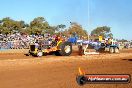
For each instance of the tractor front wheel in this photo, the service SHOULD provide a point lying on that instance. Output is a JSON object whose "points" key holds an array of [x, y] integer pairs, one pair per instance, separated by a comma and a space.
{"points": [[40, 54]]}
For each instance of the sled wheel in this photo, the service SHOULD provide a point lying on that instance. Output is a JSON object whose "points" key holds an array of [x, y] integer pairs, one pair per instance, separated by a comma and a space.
{"points": [[111, 50], [116, 50]]}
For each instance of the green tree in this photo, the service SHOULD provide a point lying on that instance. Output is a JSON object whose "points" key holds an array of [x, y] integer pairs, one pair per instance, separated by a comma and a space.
{"points": [[76, 28], [102, 31], [39, 25], [52, 29], [9, 25], [1, 27], [122, 40], [61, 27]]}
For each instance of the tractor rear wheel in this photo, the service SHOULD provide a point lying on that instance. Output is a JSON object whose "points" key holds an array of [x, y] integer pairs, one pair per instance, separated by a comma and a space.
{"points": [[116, 50], [65, 49], [111, 50]]}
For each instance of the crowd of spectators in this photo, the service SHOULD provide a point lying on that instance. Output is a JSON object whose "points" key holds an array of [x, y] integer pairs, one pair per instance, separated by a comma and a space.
{"points": [[17, 40]]}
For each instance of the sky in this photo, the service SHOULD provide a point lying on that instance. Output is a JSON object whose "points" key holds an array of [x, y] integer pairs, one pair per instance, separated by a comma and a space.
{"points": [[116, 14]]}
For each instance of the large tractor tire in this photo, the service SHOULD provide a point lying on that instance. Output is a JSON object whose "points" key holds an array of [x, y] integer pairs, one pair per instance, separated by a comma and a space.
{"points": [[116, 50], [111, 50], [65, 49]]}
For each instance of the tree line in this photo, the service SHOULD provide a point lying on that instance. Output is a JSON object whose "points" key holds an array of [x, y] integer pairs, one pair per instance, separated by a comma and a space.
{"points": [[39, 25]]}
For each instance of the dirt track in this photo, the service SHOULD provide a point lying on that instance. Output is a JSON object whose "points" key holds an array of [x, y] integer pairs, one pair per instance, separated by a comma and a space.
{"points": [[19, 71]]}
